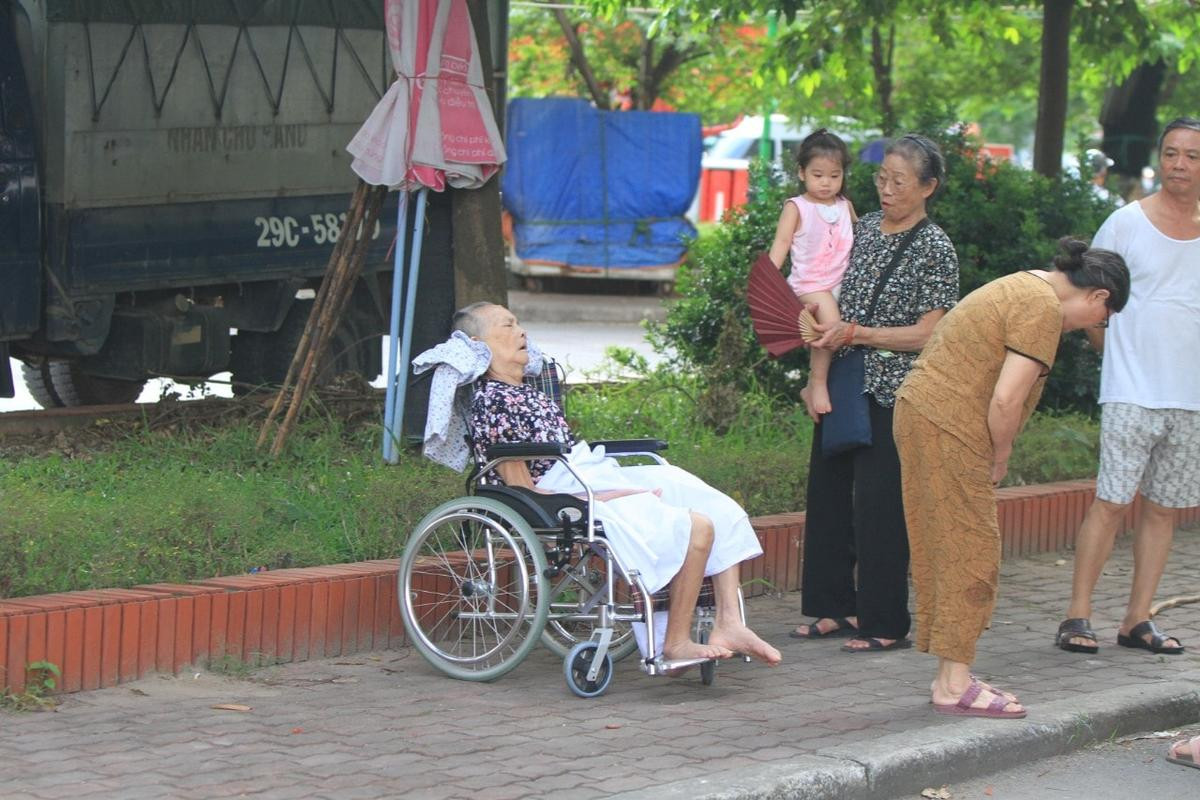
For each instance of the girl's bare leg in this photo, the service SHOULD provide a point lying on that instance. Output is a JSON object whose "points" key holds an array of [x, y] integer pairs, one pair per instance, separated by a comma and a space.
{"points": [[818, 378]]}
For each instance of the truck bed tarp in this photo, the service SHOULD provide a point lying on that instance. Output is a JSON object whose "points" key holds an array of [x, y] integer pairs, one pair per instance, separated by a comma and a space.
{"points": [[340, 13], [590, 188]]}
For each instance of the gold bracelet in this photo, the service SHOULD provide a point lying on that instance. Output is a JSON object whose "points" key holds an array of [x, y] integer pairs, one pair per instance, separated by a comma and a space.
{"points": [[850, 334]]}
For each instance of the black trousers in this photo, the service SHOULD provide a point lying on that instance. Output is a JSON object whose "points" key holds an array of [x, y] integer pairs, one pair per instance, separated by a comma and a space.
{"points": [[855, 518]]}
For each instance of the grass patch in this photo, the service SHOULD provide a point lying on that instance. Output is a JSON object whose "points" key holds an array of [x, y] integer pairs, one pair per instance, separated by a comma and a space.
{"points": [[191, 503], [186, 505], [228, 666]]}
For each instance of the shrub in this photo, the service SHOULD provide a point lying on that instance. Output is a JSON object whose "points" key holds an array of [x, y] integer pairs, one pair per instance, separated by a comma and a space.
{"points": [[1001, 218]]}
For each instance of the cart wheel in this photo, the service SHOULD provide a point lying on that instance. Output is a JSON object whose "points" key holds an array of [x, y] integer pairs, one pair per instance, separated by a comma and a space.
{"points": [[575, 667], [708, 670]]}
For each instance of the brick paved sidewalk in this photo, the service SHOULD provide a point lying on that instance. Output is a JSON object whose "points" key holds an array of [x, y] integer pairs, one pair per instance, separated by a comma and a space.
{"points": [[387, 725]]}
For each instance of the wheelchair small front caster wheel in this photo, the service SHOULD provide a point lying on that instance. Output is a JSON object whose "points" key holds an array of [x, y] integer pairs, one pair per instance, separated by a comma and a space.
{"points": [[708, 670], [576, 666]]}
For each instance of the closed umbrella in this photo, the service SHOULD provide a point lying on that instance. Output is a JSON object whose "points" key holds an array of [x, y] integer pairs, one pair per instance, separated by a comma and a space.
{"points": [[434, 127]]}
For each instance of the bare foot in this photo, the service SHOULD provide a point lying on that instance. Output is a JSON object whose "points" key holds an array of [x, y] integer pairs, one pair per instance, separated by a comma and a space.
{"points": [[820, 402], [806, 397], [946, 696], [741, 639], [688, 649]]}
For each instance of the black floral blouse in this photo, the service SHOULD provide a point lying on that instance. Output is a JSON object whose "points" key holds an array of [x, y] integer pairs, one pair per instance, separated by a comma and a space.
{"points": [[925, 279], [502, 413]]}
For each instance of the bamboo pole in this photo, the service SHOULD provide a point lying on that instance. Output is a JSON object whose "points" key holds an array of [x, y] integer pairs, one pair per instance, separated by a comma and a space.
{"points": [[345, 265], [302, 348]]}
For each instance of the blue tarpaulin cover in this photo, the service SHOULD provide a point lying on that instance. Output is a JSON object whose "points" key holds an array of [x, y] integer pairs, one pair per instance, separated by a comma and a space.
{"points": [[595, 189]]}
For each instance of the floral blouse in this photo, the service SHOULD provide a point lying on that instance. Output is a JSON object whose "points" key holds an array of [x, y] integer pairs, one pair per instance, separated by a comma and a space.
{"points": [[502, 413], [925, 279]]}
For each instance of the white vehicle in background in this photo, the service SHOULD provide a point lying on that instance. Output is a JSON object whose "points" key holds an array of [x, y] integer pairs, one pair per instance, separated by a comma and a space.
{"points": [[725, 167]]}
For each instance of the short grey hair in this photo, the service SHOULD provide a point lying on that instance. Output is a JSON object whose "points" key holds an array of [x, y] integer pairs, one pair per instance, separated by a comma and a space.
{"points": [[924, 156], [468, 319], [1185, 123]]}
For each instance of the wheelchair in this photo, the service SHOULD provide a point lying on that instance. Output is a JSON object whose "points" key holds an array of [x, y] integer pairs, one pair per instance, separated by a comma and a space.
{"points": [[485, 577]]}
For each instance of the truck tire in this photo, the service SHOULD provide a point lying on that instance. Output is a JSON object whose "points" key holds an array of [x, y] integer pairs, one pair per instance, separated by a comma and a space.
{"points": [[76, 388], [40, 385], [261, 360]]}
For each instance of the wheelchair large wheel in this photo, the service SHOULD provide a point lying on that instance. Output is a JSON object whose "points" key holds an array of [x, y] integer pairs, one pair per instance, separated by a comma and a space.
{"points": [[470, 588], [582, 579]]}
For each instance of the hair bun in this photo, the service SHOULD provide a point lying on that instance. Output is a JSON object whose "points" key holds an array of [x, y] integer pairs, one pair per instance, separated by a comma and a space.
{"points": [[1071, 257]]}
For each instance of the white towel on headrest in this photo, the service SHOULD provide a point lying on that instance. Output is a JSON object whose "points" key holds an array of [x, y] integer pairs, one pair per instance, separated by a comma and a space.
{"points": [[456, 363]]}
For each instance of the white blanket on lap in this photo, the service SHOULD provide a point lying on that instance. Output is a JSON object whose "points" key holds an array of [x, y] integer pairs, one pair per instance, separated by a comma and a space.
{"points": [[650, 533]]}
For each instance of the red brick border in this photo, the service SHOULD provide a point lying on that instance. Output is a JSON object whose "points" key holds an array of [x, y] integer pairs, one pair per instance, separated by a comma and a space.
{"points": [[102, 638]]}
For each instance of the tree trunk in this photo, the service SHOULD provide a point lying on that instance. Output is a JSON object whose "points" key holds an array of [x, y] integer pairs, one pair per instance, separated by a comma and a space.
{"points": [[644, 93], [881, 63], [1129, 118], [1052, 89], [579, 59], [478, 245]]}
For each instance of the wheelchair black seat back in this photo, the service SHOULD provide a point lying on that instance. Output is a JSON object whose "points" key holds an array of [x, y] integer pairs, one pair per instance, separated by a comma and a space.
{"points": [[485, 577]]}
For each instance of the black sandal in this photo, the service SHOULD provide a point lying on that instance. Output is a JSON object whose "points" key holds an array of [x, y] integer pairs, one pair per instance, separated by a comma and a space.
{"points": [[1076, 626], [844, 628], [1157, 639]]}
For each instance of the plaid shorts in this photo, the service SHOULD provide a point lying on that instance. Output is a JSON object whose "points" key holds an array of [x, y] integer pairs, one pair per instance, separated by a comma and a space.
{"points": [[1154, 450]]}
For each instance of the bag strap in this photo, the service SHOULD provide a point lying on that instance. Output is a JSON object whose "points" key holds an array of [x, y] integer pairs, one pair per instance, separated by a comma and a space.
{"points": [[891, 267]]}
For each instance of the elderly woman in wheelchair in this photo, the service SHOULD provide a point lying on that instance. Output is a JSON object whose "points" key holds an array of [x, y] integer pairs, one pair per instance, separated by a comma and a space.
{"points": [[559, 542]]}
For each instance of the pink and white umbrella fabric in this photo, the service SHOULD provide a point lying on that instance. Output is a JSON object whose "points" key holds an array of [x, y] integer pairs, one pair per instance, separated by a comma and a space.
{"points": [[433, 127]]}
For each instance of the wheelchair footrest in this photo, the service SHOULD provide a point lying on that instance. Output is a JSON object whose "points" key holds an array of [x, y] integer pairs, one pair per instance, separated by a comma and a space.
{"points": [[660, 666]]}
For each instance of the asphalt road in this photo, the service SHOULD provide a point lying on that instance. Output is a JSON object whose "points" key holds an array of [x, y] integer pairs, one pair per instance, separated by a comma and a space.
{"points": [[1132, 769]]}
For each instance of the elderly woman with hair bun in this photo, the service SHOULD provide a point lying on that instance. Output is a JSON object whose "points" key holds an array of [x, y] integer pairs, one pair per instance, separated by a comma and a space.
{"points": [[902, 278], [973, 387]]}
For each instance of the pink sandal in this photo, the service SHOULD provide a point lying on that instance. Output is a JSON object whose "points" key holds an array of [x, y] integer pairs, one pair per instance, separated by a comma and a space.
{"points": [[994, 709], [1190, 748]]}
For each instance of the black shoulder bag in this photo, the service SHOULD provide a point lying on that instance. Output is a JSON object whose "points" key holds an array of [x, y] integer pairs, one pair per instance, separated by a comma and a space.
{"points": [[848, 425]]}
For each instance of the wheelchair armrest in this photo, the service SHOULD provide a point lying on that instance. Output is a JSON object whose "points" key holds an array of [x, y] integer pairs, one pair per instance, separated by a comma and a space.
{"points": [[614, 447], [527, 449]]}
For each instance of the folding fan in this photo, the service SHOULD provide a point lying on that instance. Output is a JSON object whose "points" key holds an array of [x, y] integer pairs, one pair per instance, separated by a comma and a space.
{"points": [[781, 321]]}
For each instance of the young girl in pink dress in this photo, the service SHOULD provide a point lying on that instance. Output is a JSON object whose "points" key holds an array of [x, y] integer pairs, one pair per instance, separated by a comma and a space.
{"points": [[817, 227]]}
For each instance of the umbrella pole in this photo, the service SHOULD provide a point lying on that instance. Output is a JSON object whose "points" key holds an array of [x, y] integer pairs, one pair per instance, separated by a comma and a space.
{"points": [[410, 303], [391, 434]]}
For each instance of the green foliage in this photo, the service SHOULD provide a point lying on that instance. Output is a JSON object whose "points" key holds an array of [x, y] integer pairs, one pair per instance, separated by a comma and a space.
{"points": [[703, 70], [1055, 447], [984, 55], [41, 679], [711, 285], [1001, 218]]}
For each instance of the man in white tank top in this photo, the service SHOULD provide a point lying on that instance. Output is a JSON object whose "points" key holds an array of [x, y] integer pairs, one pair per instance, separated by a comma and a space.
{"points": [[1149, 395]]}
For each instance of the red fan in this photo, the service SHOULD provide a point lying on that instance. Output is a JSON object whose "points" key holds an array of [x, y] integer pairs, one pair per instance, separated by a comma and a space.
{"points": [[781, 321]]}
